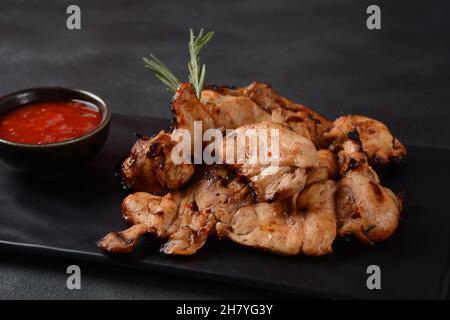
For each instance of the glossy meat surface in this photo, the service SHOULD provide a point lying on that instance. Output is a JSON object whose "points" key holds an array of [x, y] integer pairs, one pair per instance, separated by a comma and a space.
{"points": [[270, 180], [377, 141], [364, 207]]}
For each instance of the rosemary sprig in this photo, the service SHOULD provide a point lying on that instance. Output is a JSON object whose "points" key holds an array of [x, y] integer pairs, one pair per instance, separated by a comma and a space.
{"points": [[162, 73], [196, 72]]}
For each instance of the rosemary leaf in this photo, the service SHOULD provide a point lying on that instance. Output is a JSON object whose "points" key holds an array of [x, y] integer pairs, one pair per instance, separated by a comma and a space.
{"points": [[162, 73], [196, 72]]}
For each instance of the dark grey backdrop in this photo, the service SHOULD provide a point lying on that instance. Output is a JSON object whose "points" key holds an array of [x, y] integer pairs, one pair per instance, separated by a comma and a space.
{"points": [[319, 53]]}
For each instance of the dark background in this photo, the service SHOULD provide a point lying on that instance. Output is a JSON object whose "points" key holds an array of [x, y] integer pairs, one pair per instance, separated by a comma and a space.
{"points": [[318, 53]]}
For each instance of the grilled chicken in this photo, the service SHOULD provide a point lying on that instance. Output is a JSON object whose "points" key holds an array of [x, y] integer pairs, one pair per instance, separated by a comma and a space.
{"points": [[174, 217], [364, 208], [146, 213], [232, 108], [268, 226], [219, 203], [292, 120], [154, 171], [245, 151], [306, 224], [268, 99], [231, 112], [377, 141], [184, 218], [220, 193], [186, 109], [149, 166], [317, 206], [288, 204], [327, 168]]}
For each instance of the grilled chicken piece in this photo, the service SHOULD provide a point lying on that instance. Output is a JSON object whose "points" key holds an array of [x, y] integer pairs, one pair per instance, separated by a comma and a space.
{"points": [[306, 226], [365, 208], [174, 217], [283, 227], [187, 241], [220, 193], [122, 241], [219, 203], [146, 213], [377, 141], [284, 183], [230, 108], [191, 234], [185, 218], [292, 120], [154, 171], [268, 99], [149, 166], [230, 112], [327, 168], [186, 109], [271, 181], [317, 205], [214, 110], [268, 226], [299, 208]]}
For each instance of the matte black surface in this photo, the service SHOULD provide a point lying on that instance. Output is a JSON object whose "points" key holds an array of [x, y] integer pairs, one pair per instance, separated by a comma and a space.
{"points": [[65, 216], [28, 276], [317, 52]]}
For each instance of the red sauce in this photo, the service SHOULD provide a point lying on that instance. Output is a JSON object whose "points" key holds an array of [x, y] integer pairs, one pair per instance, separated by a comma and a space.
{"points": [[49, 122]]}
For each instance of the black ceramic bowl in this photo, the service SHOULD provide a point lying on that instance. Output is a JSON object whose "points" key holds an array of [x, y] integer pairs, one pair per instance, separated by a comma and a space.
{"points": [[53, 158]]}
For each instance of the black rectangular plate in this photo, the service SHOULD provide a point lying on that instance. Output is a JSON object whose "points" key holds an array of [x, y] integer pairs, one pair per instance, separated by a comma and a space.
{"points": [[65, 215]]}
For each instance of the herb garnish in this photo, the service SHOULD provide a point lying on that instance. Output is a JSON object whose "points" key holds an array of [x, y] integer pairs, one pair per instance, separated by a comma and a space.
{"points": [[162, 73], [196, 71]]}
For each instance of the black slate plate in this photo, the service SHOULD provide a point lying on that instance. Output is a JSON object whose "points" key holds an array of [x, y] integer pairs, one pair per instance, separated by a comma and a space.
{"points": [[64, 216]]}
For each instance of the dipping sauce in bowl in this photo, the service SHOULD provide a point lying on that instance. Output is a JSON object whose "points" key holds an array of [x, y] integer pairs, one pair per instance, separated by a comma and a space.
{"points": [[49, 122], [49, 131]]}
